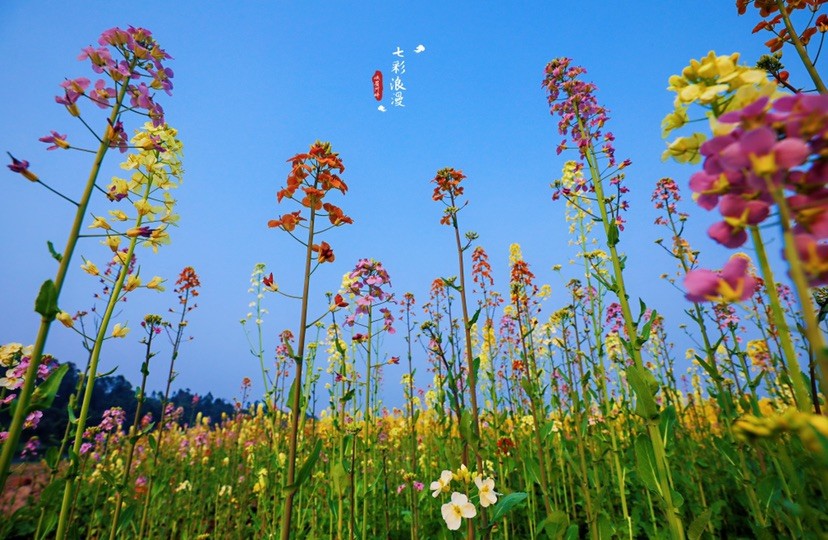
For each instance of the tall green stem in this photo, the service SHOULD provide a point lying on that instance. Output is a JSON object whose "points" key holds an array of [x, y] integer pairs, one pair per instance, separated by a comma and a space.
{"points": [[63, 521], [23, 400], [800, 390]]}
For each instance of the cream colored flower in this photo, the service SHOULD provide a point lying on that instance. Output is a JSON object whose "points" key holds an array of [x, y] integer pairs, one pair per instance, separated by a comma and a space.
{"points": [[119, 331], [442, 483], [458, 508], [488, 496]]}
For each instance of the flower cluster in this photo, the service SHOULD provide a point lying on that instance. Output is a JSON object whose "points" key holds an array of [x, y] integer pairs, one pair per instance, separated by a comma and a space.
{"points": [[448, 185], [582, 120], [772, 147], [124, 56], [460, 506], [365, 282], [769, 7], [718, 84], [312, 176]]}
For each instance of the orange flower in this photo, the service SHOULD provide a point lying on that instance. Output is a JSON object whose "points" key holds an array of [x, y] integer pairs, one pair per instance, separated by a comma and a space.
{"points": [[336, 215], [325, 252], [313, 198], [288, 222]]}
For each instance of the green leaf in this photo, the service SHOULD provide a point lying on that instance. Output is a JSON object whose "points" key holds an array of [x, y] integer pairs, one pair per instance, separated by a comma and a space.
{"points": [[46, 303], [109, 478], [307, 467], [55, 255], [645, 330], [612, 235], [709, 369], [292, 394], [467, 429], [699, 525], [44, 394], [347, 397], [506, 504], [644, 385], [340, 478], [645, 463], [473, 319]]}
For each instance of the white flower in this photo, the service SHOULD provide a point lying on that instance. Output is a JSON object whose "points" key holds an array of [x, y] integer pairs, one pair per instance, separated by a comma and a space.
{"points": [[439, 485], [458, 508], [488, 496]]}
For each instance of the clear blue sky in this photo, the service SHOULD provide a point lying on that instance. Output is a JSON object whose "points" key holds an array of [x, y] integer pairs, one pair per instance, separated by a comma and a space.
{"points": [[256, 82]]}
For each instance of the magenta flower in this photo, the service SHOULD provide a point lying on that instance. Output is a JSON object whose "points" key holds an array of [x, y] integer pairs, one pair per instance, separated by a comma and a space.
{"points": [[22, 167], [733, 283], [738, 214], [814, 257], [100, 58], [811, 213], [101, 94], [56, 140]]}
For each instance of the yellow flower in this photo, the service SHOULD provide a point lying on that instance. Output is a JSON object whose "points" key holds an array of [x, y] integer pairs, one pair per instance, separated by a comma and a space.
{"points": [[132, 283], [118, 215], [90, 268], [685, 149], [100, 223], [674, 120], [120, 258], [119, 331], [66, 319], [155, 283], [112, 241]]}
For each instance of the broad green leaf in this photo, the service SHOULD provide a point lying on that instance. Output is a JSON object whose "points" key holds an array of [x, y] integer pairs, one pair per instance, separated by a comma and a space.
{"points": [[340, 478], [44, 394], [612, 235], [699, 525], [307, 467], [643, 384], [506, 504], [46, 303], [473, 319], [645, 463]]}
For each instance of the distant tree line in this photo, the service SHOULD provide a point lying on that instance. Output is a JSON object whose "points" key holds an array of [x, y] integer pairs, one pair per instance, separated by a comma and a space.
{"points": [[116, 391]]}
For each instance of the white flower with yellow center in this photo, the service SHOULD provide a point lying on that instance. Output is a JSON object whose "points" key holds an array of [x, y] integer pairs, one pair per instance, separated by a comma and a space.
{"points": [[458, 508]]}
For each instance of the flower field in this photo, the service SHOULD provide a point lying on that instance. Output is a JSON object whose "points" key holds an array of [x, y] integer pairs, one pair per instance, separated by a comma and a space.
{"points": [[516, 420]]}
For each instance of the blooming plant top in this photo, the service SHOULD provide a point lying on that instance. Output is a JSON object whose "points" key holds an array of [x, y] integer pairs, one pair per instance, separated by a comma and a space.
{"points": [[718, 84], [732, 284], [312, 176], [124, 56], [448, 185], [365, 282]]}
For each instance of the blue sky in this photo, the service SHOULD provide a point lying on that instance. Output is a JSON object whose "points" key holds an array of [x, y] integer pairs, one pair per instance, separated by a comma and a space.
{"points": [[257, 82]]}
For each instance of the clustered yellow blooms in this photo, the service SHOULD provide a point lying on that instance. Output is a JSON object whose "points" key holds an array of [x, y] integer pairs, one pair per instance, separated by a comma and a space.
{"points": [[718, 84], [808, 427]]}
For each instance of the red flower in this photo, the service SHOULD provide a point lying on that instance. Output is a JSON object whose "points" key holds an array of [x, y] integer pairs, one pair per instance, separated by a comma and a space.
{"points": [[339, 302], [287, 222]]}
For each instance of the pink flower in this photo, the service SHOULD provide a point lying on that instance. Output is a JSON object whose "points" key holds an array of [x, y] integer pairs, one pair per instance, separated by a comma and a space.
{"points": [[733, 283], [738, 214], [56, 140], [814, 258]]}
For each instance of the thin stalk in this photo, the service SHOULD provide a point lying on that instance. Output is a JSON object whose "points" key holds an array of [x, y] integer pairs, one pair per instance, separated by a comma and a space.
{"points": [[295, 412]]}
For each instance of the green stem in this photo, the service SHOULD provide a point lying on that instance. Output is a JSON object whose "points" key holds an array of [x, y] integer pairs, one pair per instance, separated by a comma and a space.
{"points": [[673, 517], [296, 405], [63, 521], [799, 388], [23, 400]]}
